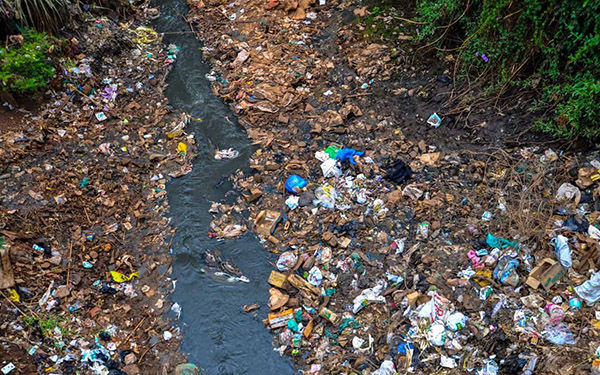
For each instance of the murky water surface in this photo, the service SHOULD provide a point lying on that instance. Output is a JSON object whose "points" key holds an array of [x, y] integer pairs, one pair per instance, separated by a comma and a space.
{"points": [[218, 336]]}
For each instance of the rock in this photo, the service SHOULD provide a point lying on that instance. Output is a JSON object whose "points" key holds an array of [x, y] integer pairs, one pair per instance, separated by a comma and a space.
{"points": [[412, 192], [61, 292], [394, 196], [130, 359], [430, 158], [131, 369], [75, 278], [187, 369], [56, 258]]}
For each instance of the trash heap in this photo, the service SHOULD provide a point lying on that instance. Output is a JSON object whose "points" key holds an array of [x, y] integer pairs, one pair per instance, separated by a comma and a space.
{"points": [[353, 288], [85, 251], [395, 253]]}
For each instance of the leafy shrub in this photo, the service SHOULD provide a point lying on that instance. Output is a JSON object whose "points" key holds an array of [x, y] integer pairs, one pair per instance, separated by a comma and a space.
{"points": [[48, 15], [513, 43], [27, 68]]}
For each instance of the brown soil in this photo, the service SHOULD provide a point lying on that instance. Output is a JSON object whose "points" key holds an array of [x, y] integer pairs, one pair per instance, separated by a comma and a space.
{"points": [[302, 78], [82, 189]]}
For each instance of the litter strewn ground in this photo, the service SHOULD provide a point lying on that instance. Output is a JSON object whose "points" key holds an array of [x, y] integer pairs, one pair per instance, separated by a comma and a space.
{"points": [[406, 243]]}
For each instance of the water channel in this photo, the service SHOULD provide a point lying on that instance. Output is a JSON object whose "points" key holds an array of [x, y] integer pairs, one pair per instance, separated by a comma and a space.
{"points": [[217, 334]]}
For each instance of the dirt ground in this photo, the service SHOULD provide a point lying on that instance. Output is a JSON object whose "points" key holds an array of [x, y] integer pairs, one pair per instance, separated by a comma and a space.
{"points": [[364, 251], [82, 212], [367, 248]]}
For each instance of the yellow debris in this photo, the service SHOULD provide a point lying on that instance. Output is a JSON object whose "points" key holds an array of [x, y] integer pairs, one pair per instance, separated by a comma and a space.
{"points": [[121, 277], [14, 296]]}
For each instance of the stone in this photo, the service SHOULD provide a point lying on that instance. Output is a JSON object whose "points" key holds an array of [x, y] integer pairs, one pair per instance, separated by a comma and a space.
{"points": [[131, 370], [61, 292], [187, 369], [130, 359]]}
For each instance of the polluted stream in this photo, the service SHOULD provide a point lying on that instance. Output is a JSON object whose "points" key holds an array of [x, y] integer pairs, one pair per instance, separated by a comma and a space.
{"points": [[217, 334]]}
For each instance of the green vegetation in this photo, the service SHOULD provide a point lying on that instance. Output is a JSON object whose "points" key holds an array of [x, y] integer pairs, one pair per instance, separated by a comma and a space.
{"points": [[48, 15], [47, 324], [522, 43], [27, 68], [380, 23]]}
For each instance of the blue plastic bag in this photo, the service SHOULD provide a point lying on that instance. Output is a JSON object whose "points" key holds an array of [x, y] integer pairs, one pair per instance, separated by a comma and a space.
{"points": [[405, 347], [500, 243], [346, 154], [294, 183]]}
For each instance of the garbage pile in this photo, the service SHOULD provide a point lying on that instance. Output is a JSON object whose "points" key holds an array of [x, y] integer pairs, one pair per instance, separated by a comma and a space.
{"points": [[365, 280], [398, 255], [84, 239]]}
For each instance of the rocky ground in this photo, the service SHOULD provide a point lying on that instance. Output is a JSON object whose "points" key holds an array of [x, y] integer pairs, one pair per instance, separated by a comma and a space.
{"points": [[435, 251], [85, 239]]}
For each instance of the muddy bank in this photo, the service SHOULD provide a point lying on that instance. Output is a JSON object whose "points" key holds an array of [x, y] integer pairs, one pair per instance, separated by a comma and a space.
{"points": [[82, 213], [404, 244]]}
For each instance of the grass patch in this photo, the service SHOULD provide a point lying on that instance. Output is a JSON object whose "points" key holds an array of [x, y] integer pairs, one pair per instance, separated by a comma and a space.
{"points": [[381, 23], [526, 44], [48, 324], [27, 68]]}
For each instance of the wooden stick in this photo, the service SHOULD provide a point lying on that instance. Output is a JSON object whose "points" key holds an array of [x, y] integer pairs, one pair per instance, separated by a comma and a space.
{"points": [[86, 215], [144, 353], [359, 94], [17, 307], [135, 329], [69, 262]]}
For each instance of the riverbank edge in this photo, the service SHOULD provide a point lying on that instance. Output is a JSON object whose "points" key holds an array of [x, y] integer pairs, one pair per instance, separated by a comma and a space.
{"points": [[151, 258]]}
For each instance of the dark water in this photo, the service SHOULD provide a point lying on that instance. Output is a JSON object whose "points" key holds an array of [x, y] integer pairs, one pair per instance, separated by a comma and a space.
{"points": [[217, 334]]}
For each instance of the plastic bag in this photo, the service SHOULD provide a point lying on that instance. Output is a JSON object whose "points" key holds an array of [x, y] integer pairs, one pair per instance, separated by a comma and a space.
{"points": [[332, 151], [568, 192], [292, 202], [506, 270], [226, 154], [489, 368], [121, 277], [576, 223], [330, 169], [456, 321], [326, 195], [315, 276], [436, 334], [347, 154], [590, 289], [294, 183], [398, 171], [368, 296], [559, 334], [563, 252], [182, 148], [386, 368], [500, 243], [287, 260], [594, 232]]}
